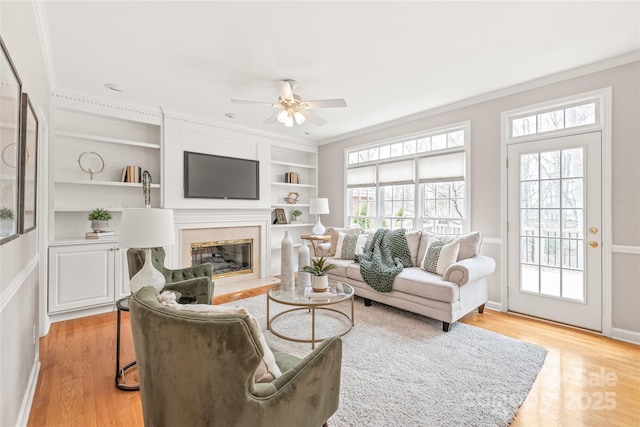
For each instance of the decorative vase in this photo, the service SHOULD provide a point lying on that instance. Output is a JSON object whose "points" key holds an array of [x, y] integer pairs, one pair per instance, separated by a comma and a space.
{"points": [[99, 225], [287, 280], [304, 259], [320, 283]]}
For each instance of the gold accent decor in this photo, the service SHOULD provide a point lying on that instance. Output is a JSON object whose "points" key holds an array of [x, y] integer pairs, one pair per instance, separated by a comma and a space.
{"points": [[292, 198]]}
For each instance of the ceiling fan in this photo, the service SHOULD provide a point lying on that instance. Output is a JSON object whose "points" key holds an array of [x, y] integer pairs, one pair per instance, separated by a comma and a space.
{"points": [[293, 108]]}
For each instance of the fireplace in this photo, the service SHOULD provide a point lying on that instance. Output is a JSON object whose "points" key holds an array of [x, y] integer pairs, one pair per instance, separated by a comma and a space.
{"points": [[228, 257]]}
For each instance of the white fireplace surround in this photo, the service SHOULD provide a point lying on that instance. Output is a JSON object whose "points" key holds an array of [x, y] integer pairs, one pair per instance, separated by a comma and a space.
{"points": [[255, 219]]}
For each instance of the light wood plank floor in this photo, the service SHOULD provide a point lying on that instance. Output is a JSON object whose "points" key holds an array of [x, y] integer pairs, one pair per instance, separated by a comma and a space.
{"points": [[587, 380]]}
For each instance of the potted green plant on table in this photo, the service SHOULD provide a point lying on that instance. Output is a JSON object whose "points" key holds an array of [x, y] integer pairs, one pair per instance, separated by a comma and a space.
{"points": [[319, 269], [99, 218]]}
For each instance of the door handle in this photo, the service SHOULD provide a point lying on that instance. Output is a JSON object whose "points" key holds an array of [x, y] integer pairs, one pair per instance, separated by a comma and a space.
{"points": [[593, 230], [593, 244]]}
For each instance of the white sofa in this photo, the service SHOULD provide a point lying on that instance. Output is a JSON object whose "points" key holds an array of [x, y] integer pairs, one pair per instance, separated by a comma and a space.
{"points": [[461, 289]]}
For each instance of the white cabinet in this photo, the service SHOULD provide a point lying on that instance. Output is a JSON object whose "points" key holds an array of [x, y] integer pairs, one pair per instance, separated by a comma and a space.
{"points": [[85, 275], [303, 162]]}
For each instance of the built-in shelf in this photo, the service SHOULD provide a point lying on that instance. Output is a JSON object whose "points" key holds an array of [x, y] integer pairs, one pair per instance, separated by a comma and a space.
{"points": [[107, 139], [288, 205], [305, 224], [107, 183], [286, 184], [293, 165]]}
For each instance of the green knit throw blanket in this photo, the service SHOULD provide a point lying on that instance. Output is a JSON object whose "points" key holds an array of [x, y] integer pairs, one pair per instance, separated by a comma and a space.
{"points": [[385, 259]]}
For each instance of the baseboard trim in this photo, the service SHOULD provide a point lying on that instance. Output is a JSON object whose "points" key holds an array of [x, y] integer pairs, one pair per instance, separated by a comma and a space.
{"points": [[492, 305], [30, 392], [625, 335]]}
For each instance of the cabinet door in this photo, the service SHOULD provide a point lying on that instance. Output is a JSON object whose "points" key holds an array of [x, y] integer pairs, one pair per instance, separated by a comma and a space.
{"points": [[81, 276]]}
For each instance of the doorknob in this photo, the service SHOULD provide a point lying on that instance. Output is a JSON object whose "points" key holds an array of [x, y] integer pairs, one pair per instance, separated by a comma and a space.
{"points": [[593, 244], [593, 230]]}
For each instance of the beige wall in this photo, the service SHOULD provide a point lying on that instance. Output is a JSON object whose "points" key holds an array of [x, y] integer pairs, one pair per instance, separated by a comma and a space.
{"points": [[20, 258], [485, 171]]}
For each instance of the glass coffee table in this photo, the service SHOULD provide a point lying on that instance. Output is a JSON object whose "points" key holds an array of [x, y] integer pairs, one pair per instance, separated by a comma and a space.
{"points": [[337, 293]]}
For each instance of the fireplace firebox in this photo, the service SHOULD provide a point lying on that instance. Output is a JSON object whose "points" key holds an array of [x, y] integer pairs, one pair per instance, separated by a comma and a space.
{"points": [[228, 257]]}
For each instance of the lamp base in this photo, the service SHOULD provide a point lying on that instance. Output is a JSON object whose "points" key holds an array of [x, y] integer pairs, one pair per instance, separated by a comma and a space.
{"points": [[318, 229], [147, 276]]}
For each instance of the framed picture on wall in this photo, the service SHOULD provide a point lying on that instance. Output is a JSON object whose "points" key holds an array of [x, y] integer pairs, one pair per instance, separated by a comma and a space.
{"points": [[28, 165], [10, 90]]}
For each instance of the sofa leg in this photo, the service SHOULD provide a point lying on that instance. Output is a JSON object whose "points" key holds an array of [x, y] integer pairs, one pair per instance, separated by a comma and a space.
{"points": [[481, 309], [367, 302], [446, 326]]}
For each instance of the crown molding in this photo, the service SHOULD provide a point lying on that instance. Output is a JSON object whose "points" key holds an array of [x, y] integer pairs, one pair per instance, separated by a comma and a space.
{"points": [[45, 41], [532, 84]]}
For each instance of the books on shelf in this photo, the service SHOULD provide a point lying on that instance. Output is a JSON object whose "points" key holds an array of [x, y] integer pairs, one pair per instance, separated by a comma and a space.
{"points": [[292, 178], [100, 235], [131, 174]]}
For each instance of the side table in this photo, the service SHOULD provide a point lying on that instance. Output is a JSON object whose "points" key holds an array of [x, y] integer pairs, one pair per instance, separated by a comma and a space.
{"points": [[123, 305], [315, 240]]}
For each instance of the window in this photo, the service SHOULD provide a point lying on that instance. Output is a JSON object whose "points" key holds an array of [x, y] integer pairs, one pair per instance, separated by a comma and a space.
{"points": [[569, 117], [416, 183]]}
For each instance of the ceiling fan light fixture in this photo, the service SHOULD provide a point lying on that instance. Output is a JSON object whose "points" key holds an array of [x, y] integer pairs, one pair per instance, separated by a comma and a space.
{"points": [[282, 116], [300, 118], [289, 121]]}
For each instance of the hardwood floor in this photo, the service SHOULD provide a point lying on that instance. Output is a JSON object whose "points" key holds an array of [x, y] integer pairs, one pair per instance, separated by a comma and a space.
{"points": [[587, 380]]}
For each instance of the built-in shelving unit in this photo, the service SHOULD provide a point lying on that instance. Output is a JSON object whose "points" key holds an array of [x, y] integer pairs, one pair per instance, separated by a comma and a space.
{"points": [[303, 161]]}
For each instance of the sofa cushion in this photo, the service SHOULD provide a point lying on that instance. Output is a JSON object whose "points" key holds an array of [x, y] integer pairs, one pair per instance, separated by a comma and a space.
{"points": [[341, 266], [439, 256], [413, 241], [350, 245], [415, 281], [333, 232], [469, 243]]}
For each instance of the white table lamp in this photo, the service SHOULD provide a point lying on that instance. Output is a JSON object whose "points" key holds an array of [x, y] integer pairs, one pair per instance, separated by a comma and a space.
{"points": [[146, 228], [318, 207]]}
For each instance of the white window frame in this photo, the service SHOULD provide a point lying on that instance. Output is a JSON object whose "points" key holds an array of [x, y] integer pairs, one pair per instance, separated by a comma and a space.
{"points": [[419, 214]]}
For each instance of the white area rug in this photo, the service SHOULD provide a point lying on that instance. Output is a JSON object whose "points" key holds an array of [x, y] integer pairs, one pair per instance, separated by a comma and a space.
{"points": [[400, 369]]}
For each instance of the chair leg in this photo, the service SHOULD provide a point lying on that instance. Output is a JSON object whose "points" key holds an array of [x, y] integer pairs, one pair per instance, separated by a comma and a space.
{"points": [[446, 326], [367, 302], [481, 309]]}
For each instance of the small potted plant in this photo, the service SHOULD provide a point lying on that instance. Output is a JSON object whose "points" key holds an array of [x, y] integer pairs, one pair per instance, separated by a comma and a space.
{"points": [[296, 215], [6, 221], [318, 270], [99, 219]]}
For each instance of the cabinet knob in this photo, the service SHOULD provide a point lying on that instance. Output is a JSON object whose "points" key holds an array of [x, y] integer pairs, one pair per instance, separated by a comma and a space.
{"points": [[593, 244]]}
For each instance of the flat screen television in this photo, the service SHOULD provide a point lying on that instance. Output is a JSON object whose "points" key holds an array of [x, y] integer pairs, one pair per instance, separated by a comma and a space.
{"points": [[207, 176]]}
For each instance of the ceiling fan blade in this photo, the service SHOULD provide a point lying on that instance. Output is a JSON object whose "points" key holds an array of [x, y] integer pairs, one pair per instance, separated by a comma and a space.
{"points": [[284, 89], [272, 119], [240, 101], [316, 120], [326, 103]]}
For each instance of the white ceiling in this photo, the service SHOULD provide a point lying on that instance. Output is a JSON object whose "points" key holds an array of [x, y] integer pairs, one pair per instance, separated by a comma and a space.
{"points": [[387, 59]]}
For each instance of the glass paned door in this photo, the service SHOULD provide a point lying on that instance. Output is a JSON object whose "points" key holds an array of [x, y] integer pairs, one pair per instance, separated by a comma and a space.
{"points": [[554, 221]]}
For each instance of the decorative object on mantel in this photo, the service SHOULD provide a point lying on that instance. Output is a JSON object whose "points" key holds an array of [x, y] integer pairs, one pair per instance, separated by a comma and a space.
{"points": [[279, 216], [146, 228], [287, 281], [296, 215], [304, 260], [146, 188], [318, 207], [292, 198], [99, 218], [319, 269], [91, 162]]}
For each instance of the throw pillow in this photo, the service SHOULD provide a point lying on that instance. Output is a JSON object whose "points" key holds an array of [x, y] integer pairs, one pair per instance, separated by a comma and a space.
{"points": [[267, 370], [439, 256], [334, 233], [350, 245]]}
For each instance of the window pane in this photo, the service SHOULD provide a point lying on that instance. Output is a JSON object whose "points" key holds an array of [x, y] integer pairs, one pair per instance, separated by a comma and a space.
{"points": [[523, 126], [396, 149], [572, 165], [530, 221], [550, 281], [438, 142], [580, 115], [409, 147], [572, 194], [550, 193], [551, 121], [363, 156], [529, 278], [455, 139], [353, 158], [529, 167], [373, 154], [550, 165], [384, 152], [529, 196], [424, 145]]}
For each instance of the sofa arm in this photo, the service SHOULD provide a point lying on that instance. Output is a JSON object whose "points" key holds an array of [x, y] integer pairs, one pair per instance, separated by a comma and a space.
{"points": [[323, 249], [199, 287], [470, 270]]}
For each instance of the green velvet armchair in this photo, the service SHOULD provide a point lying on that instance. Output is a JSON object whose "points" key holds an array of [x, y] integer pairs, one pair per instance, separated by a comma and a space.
{"points": [[197, 369], [192, 281]]}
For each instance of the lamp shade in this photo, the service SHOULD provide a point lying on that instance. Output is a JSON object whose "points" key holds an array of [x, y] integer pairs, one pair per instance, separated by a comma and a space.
{"points": [[319, 206], [146, 228]]}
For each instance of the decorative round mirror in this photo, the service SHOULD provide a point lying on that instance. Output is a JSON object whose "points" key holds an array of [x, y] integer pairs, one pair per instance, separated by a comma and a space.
{"points": [[91, 163]]}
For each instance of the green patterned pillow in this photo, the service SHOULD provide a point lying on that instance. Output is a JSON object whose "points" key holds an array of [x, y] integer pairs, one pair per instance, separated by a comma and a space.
{"points": [[439, 256], [349, 245]]}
